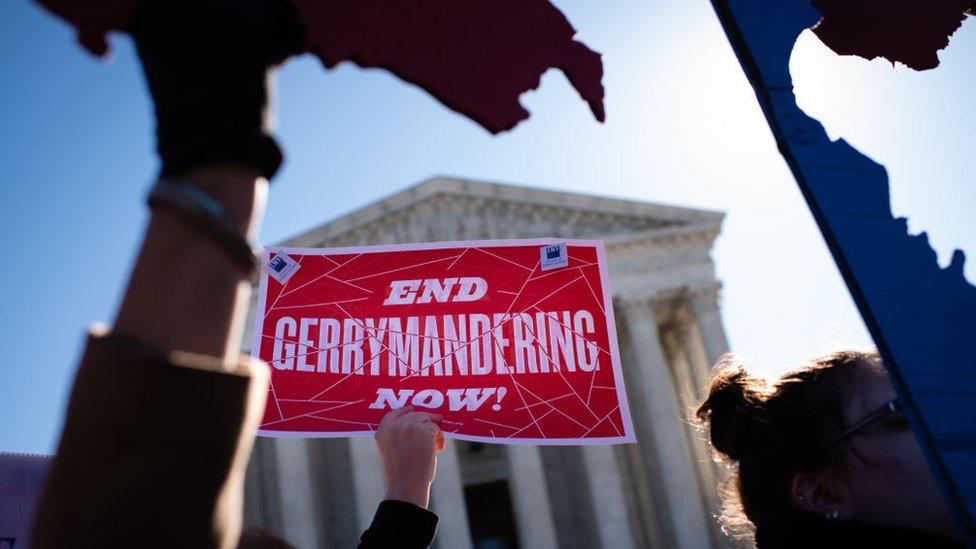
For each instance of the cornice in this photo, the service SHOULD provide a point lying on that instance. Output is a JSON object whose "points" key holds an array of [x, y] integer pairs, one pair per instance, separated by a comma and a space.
{"points": [[656, 216], [705, 233]]}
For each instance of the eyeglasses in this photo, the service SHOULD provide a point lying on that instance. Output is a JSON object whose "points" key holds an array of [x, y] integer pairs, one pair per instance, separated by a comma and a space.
{"points": [[889, 409]]}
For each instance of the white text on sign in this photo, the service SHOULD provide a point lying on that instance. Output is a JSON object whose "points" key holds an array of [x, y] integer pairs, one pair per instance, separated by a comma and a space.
{"points": [[457, 399], [409, 292], [443, 345]]}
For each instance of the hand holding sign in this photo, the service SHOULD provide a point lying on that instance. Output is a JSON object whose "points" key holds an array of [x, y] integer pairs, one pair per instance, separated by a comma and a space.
{"points": [[408, 442]]}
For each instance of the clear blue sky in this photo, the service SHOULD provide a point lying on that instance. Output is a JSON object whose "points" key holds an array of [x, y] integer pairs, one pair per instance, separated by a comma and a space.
{"points": [[683, 127]]}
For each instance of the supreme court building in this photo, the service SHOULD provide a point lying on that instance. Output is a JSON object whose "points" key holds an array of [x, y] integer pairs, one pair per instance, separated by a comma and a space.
{"points": [[659, 493]]}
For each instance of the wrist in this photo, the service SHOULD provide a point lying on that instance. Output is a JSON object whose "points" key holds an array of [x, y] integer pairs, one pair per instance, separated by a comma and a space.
{"points": [[240, 190], [418, 495], [186, 292]]}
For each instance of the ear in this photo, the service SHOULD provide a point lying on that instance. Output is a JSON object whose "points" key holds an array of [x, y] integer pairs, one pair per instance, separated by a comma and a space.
{"points": [[815, 493]]}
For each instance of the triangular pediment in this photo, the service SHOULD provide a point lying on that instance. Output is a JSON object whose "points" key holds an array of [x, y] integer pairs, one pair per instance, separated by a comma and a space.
{"points": [[444, 208]]}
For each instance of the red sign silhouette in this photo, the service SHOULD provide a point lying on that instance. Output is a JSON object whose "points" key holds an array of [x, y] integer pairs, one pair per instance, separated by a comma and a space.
{"points": [[906, 31], [473, 56]]}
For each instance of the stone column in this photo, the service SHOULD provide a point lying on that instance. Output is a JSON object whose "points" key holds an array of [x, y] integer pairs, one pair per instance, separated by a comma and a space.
{"points": [[690, 369], [606, 490], [708, 320], [447, 500], [530, 498], [659, 409], [367, 479], [691, 339], [689, 342], [689, 345], [683, 369], [300, 513]]}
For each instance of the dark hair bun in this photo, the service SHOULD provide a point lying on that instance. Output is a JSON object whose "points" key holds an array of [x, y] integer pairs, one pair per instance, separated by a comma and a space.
{"points": [[732, 409]]}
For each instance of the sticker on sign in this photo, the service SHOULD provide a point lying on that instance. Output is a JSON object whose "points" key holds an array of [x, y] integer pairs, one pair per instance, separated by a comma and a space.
{"points": [[553, 256], [479, 332], [281, 267]]}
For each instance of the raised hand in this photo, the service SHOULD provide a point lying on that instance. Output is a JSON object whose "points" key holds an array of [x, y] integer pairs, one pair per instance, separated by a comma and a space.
{"points": [[207, 64], [408, 442]]}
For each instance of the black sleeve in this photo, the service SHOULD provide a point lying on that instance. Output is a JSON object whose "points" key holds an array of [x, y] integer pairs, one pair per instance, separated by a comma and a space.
{"points": [[401, 525]]}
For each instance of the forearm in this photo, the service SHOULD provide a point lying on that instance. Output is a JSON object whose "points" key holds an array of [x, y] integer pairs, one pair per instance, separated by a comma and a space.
{"points": [[185, 292], [163, 411], [416, 494], [141, 417]]}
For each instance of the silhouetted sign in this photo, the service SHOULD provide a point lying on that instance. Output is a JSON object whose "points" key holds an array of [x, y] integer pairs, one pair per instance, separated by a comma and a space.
{"points": [[919, 313], [475, 57]]}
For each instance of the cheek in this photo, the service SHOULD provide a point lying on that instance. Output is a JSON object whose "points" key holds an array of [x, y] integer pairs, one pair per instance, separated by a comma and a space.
{"points": [[893, 454], [884, 466], [900, 453], [887, 481]]}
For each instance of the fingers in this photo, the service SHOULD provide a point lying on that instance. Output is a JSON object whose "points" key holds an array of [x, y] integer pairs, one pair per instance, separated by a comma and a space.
{"points": [[421, 417], [439, 440], [396, 420], [400, 411], [394, 414]]}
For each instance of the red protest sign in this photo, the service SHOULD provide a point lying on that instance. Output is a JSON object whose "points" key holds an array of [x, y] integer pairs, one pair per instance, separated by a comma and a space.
{"points": [[511, 341]]}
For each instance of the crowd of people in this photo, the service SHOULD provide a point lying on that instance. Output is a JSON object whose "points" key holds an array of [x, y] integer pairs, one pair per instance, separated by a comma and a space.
{"points": [[163, 409]]}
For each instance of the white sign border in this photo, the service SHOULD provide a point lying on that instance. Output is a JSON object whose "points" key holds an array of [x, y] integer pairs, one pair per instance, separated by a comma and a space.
{"points": [[628, 436]]}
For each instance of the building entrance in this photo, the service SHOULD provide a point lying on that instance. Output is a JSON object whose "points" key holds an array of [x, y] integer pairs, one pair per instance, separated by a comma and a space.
{"points": [[490, 515]]}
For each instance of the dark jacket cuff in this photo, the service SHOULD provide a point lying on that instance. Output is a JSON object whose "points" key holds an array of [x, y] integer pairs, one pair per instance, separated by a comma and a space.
{"points": [[400, 524]]}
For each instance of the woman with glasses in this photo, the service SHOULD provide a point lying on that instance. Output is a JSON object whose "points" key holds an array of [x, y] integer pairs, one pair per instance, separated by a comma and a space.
{"points": [[822, 457]]}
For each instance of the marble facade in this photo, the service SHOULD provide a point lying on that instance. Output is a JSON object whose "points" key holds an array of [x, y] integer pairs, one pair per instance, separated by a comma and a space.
{"points": [[658, 493]]}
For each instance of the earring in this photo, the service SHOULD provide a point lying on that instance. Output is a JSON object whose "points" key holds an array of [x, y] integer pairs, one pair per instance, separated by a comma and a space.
{"points": [[833, 514]]}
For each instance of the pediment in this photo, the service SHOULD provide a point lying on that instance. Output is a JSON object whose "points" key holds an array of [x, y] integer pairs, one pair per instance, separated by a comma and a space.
{"points": [[443, 208]]}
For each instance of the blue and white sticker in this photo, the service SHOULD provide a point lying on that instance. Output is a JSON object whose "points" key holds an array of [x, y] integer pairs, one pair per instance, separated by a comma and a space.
{"points": [[554, 256], [281, 267]]}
